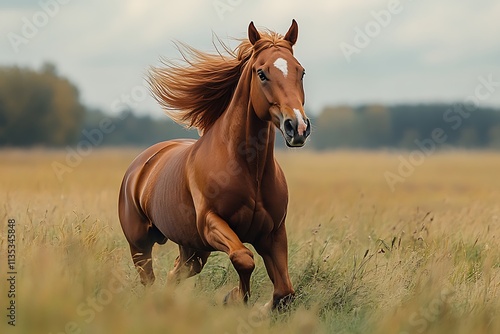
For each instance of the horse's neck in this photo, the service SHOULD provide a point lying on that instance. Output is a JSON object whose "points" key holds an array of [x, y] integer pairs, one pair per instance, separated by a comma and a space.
{"points": [[248, 137]]}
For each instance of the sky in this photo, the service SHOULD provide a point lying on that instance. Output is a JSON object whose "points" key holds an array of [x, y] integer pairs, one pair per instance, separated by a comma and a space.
{"points": [[354, 52]]}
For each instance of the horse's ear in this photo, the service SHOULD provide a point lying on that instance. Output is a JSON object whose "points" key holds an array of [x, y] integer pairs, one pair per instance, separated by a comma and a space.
{"points": [[293, 33], [253, 34]]}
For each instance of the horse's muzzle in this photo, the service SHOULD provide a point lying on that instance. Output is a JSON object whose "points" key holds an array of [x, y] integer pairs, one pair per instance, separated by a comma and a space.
{"points": [[295, 132]]}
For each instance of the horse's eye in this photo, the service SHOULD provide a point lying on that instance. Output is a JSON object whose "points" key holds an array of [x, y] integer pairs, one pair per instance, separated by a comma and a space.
{"points": [[261, 75], [303, 73]]}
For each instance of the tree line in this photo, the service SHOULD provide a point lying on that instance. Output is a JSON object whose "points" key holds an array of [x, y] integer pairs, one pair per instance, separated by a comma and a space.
{"points": [[404, 126], [42, 108], [38, 108]]}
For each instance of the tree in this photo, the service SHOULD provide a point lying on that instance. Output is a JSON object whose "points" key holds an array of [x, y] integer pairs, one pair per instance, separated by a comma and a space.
{"points": [[494, 137], [337, 127], [375, 124], [38, 108]]}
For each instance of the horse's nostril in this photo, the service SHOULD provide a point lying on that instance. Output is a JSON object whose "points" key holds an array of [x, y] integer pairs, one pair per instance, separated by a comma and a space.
{"points": [[308, 129], [289, 128]]}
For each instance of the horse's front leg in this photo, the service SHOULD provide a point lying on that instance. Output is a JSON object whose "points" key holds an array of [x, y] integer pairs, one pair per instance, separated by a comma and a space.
{"points": [[274, 252], [220, 236]]}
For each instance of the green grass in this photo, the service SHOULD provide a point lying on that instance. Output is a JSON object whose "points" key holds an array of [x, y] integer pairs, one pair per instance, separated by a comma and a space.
{"points": [[422, 259]]}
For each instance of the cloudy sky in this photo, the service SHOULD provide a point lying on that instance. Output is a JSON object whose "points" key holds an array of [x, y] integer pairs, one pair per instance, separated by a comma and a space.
{"points": [[354, 51]]}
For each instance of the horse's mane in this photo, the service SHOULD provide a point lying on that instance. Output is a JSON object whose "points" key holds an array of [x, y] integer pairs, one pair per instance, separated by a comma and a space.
{"points": [[197, 91]]}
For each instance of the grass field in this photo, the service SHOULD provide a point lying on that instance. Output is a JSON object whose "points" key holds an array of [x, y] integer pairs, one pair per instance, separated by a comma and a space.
{"points": [[424, 258]]}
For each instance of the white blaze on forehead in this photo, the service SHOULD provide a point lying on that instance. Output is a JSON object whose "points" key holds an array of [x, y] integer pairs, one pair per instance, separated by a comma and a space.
{"points": [[281, 65], [301, 127]]}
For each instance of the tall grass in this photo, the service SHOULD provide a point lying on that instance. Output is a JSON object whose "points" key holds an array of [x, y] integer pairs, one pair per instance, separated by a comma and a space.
{"points": [[424, 258]]}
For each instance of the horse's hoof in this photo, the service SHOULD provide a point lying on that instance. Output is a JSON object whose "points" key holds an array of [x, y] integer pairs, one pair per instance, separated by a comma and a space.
{"points": [[283, 304], [233, 296]]}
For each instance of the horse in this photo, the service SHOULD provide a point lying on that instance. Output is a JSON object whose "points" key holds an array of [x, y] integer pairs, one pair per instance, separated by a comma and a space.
{"points": [[226, 188]]}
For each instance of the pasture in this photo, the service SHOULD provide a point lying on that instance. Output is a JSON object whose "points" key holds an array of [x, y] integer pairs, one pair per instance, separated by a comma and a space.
{"points": [[424, 258]]}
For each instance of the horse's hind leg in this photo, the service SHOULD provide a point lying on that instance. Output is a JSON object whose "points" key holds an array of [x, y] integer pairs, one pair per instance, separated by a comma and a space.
{"points": [[188, 263], [141, 236], [142, 259]]}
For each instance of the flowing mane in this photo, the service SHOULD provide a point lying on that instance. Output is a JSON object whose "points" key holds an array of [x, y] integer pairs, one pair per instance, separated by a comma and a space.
{"points": [[197, 91]]}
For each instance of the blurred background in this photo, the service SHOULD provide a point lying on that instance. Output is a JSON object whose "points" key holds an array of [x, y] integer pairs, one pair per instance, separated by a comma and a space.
{"points": [[380, 74]]}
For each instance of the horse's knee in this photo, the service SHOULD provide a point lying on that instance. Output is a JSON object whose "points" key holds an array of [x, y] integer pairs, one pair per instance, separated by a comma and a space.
{"points": [[242, 260]]}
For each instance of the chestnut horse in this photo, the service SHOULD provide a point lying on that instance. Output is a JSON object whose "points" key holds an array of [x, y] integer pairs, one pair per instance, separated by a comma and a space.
{"points": [[226, 188]]}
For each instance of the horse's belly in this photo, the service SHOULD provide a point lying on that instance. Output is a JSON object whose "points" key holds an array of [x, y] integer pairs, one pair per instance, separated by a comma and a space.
{"points": [[174, 215], [166, 200], [178, 224]]}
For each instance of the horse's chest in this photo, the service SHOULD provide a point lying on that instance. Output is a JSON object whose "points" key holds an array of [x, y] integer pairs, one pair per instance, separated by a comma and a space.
{"points": [[251, 216], [248, 224]]}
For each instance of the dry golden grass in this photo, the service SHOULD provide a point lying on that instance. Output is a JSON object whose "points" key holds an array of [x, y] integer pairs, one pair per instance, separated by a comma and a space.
{"points": [[424, 258]]}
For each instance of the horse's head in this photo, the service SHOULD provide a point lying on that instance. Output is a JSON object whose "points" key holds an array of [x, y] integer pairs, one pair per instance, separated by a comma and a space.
{"points": [[277, 92]]}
